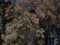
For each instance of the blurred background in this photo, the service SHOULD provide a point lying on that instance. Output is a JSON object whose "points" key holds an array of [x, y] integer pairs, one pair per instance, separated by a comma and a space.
{"points": [[29, 22]]}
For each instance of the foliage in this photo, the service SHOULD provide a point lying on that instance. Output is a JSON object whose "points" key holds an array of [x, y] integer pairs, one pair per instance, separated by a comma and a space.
{"points": [[28, 21]]}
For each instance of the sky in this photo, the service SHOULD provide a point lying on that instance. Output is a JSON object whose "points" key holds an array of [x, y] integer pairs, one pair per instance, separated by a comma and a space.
{"points": [[14, 1], [0, 0]]}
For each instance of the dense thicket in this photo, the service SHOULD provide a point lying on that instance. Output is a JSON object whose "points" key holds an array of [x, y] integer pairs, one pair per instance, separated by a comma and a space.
{"points": [[31, 22]]}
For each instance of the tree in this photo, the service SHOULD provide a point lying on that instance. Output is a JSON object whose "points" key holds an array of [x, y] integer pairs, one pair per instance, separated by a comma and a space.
{"points": [[30, 17], [5, 17]]}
